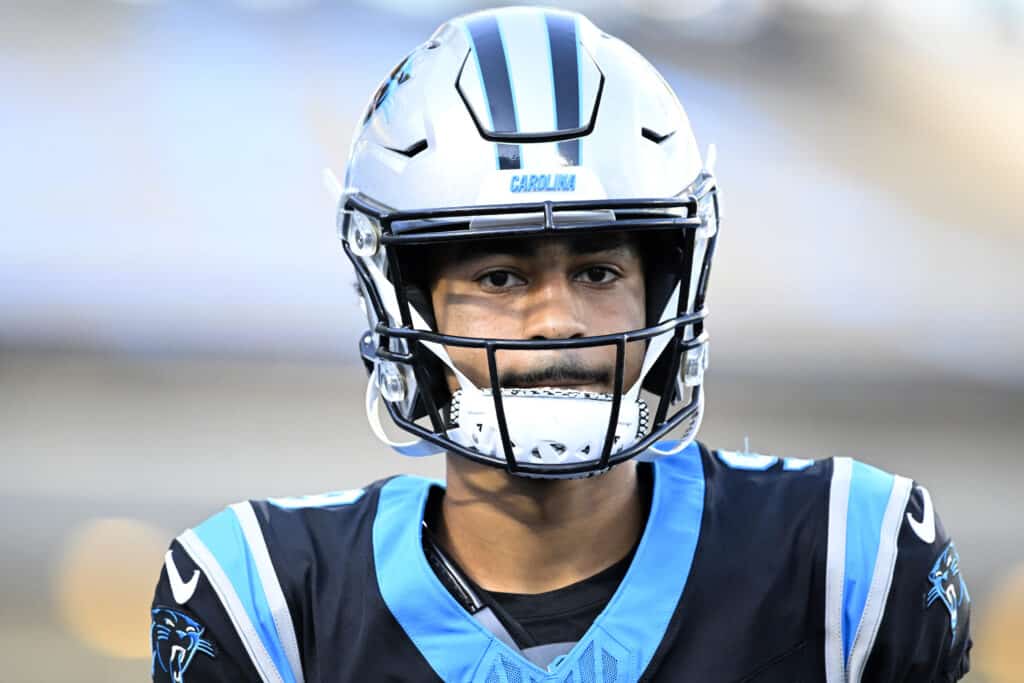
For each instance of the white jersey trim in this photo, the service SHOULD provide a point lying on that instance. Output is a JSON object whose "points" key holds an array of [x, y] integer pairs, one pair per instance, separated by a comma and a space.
{"points": [[835, 569], [881, 580], [202, 556], [271, 586]]}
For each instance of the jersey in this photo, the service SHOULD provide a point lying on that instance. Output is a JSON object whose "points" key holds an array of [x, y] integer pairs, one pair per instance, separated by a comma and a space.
{"points": [[750, 568]]}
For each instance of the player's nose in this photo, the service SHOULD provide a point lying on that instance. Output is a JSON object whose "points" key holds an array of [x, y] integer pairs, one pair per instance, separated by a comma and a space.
{"points": [[554, 310]]}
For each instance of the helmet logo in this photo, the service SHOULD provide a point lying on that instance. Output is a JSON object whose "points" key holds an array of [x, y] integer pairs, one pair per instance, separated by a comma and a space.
{"points": [[543, 182]]}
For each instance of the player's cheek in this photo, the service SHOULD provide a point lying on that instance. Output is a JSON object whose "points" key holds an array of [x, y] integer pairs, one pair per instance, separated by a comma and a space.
{"points": [[470, 362], [616, 309], [634, 362]]}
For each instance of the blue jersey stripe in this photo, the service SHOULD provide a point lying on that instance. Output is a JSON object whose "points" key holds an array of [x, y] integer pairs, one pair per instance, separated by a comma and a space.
{"points": [[639, 613], [870, 489], [404, 577], [223, 537]]}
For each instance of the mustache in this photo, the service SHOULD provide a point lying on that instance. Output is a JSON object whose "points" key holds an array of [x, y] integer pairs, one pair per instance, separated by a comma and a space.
{"points": [[565, 372]]}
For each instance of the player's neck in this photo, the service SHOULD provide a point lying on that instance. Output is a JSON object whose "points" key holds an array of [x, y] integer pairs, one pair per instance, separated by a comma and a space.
{"points": [[518, 535]]}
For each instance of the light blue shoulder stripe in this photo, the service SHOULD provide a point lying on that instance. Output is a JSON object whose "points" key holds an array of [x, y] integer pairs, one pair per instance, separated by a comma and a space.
{"points": [[870, 489], [223, 537]]}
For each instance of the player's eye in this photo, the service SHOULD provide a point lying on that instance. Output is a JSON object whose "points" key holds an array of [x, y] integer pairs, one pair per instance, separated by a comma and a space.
{"points": [[169, 623], [190, 629], [500, 279], [597, 275]]}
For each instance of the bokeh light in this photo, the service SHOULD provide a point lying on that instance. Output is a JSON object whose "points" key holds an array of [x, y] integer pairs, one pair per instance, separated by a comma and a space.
{"points": [[104, 585], [1000, 634]]}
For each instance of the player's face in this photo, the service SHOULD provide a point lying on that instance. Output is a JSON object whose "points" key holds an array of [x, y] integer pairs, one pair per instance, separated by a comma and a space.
{"points": [[545, 288]]}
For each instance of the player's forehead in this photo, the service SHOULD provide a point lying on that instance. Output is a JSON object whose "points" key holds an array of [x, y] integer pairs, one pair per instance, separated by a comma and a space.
{"points": [[539, 246]]}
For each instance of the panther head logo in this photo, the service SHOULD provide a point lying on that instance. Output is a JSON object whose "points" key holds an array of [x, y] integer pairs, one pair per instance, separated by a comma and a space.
{"points": [[947, 585], [176, 638]]}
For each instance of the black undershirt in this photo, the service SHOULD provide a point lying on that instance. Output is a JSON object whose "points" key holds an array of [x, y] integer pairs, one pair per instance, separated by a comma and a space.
{"points": [[558, 616]]}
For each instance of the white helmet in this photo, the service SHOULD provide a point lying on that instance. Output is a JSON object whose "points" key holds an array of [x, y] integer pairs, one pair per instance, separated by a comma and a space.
{"points": [[527, 122]]}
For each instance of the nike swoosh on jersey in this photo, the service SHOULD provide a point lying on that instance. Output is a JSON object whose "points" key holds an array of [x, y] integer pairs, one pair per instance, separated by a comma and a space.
{"points": [[181, 590], [925, 527]]}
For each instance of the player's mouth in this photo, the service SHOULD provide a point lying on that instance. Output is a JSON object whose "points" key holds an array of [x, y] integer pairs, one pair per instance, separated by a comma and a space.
{"points": [[576, 386], [568, 376]]}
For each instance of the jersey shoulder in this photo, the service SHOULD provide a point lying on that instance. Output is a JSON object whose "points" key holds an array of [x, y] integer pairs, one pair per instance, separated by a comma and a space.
{"points": [[896, 601], [790, 488], [924, 629], [230, 601], [897, 605]]}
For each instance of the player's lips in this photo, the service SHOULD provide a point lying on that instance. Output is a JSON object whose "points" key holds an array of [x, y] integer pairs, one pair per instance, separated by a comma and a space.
{"points": [[558, 385]]}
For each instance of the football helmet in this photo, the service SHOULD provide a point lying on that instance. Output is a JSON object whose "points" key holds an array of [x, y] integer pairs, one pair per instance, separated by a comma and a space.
{"points": [[527, 123]]}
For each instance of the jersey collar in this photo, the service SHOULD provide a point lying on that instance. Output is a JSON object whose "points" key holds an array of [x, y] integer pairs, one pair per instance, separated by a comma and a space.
{"points": [[624, 636]]}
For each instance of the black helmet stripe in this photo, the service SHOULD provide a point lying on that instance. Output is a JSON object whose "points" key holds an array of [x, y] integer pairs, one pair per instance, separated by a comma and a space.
{"points": [[497, 87], [565, 73]]}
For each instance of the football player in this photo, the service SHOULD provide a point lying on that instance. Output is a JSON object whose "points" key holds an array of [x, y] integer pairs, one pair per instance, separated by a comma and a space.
{"points": [[532, 229]]}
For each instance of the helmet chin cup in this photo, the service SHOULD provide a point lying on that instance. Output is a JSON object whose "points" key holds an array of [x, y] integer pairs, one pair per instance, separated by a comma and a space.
{"points": [[546, 425]]}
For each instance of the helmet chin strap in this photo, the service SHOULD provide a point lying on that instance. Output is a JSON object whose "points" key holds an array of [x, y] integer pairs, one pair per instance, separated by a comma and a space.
{"points": [[653, 452], [547, 426], [415, 448]]}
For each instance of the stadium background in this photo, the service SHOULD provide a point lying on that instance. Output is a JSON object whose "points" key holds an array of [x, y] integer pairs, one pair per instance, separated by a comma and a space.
{"points": [[177, 329]]}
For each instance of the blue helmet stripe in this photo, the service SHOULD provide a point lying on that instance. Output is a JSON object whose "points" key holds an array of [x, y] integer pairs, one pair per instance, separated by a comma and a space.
{"points": [[565, 74], [489, 50]]}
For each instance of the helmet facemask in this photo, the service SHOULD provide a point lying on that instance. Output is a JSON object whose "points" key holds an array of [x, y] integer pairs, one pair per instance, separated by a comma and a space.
{"points": [[537, 432]]}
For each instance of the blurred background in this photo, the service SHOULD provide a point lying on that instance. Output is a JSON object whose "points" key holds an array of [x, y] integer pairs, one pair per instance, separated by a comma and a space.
{"points": [[177, 324]]}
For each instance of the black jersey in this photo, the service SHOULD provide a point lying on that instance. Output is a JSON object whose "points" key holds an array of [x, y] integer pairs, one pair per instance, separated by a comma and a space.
{"points": [[750, 568]]}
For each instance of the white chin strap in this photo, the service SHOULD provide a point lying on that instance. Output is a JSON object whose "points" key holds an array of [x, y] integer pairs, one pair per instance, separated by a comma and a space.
{"points": [[547, 426], [692, 425]]}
